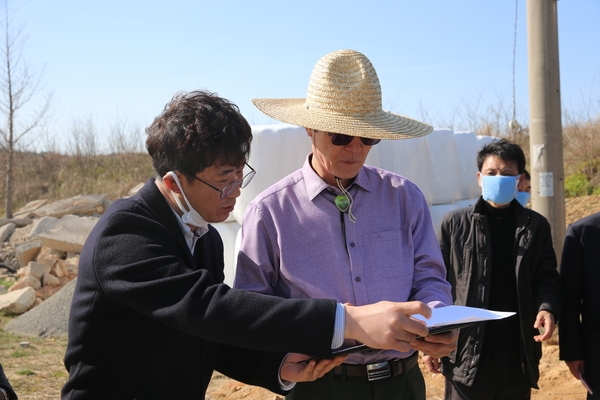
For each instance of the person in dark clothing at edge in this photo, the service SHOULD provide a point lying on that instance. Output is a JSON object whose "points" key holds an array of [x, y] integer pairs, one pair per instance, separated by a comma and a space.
{"points": [[499, 256], [578, 329], [151, 317], [6, 390]]}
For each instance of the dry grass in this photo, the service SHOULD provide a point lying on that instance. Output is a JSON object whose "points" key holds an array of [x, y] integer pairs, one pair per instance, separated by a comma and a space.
{"points": [[35, 371], [55, 177]]}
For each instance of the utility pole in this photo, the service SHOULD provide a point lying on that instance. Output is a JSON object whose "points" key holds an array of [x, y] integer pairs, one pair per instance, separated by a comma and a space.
{"points": [[546, 152]]}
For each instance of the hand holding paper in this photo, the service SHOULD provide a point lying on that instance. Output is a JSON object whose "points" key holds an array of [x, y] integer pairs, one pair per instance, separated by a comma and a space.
{"points": [[453, 317], [443, 328], [442, 319]]}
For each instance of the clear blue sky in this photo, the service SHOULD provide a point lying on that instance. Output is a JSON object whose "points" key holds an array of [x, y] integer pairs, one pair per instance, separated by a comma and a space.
{"points": [[124, 59]]}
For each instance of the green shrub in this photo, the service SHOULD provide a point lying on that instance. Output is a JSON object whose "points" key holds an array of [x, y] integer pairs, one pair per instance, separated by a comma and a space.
{"points": [[577, 185], [590, 168]]}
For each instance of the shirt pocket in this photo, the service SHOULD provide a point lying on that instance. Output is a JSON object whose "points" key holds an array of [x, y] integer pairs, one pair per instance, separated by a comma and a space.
{"points": [[389, 255]]}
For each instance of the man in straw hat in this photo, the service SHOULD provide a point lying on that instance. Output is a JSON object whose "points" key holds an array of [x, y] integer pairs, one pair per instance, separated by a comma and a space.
{"points": [[151, 317], [340, 229]]}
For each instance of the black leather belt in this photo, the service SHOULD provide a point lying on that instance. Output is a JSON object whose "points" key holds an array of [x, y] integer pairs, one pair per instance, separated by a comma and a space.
{"points": [[382, 370]]}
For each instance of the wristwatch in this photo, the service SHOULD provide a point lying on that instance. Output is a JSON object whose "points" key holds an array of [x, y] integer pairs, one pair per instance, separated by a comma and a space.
{"points": [[3, 394]]}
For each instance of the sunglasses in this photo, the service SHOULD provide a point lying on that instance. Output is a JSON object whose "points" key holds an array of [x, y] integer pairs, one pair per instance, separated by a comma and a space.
{"points": [[337, 139]]}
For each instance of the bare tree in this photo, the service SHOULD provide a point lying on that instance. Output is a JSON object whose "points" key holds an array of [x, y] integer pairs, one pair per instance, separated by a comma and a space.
{"points": [[83, 142], [125, 138], [18, 87]]}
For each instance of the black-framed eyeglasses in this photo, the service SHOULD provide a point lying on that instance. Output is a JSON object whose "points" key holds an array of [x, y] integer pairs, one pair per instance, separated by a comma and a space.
{"points": [[227, 190], [338, 139]]}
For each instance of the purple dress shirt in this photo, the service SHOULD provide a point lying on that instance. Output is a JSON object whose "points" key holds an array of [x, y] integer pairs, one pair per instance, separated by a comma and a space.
{"points": [[297, 244]]}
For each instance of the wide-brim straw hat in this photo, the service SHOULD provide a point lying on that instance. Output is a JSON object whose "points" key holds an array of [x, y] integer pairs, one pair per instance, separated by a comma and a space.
{"points": [[344, 96]]}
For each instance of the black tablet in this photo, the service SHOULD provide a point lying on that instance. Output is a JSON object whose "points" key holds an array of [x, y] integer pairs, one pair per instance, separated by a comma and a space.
{"points": [[341, 352], [434, 330], [363, 347], [349, 350]]}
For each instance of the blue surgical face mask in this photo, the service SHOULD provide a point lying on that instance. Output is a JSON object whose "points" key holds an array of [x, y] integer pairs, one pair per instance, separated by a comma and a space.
{"points": [[523, 198], [499, 189]]}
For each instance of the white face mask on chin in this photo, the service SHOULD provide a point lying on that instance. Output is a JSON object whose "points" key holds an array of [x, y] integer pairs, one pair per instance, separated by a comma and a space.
{"points": [[190, 216]]}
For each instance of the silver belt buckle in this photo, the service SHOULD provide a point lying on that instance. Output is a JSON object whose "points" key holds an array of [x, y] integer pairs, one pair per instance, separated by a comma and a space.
{"points": [[379, 371]]}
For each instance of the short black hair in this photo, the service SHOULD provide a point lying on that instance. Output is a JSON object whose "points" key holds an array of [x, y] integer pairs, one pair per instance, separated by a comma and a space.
{"points": [[194, 131], [504, 149]]}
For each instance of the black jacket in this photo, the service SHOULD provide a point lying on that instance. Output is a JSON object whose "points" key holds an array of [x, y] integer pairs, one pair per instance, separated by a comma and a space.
{"points": [[580, 319], [4, 384], [149, 320], [466, 247]]}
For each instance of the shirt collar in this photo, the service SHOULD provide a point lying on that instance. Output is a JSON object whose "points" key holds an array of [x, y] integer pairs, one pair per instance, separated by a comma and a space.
{"points": [[190, 235]]}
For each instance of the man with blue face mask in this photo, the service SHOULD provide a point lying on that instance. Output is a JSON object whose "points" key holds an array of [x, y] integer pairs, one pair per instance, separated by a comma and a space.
{"points": [[524, 189], [499, 256]]}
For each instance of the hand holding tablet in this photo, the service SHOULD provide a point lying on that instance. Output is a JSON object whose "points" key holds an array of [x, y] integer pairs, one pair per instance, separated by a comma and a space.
{"points": [[442, 319]]}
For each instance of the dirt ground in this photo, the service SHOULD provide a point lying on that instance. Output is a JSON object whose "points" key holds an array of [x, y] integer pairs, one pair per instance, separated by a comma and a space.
{"points": [[556, 382]]}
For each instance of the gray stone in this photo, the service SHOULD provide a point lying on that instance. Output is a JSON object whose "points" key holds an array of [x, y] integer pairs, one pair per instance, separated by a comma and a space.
{"points": [[59, 269], [66, 234], [50, 280], [35, 269], [105, 204], [27, 251], [49, 256], [44, 224], [21, 222], [18, 301], [26, 281], [6, 231], [27, 209], [81, 205], [50, 318]]}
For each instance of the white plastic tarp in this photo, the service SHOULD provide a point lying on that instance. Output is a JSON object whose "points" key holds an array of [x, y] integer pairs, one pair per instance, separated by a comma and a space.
{"points": [[467, 148], [277, 150], [445, 169], [409, 158]]}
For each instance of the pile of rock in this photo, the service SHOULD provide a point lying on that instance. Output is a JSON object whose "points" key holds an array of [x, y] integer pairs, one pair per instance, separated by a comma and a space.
{"points": [[41, 246]]}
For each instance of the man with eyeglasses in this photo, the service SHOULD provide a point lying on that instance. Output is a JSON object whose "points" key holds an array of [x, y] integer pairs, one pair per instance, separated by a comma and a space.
{"points": [[340, 229], [151, 317], [499, 256]]}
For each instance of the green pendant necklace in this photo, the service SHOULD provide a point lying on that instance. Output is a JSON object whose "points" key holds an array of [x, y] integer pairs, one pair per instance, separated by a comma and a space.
{"points": [[341, 202]]}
